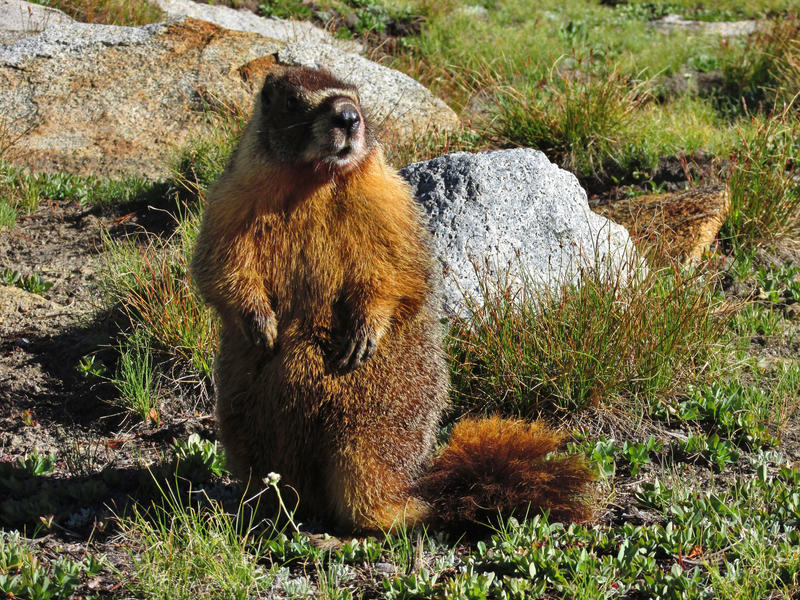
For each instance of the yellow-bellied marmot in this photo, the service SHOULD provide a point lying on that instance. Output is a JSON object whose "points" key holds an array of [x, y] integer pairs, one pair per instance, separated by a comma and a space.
{"points": [[331, 370]]}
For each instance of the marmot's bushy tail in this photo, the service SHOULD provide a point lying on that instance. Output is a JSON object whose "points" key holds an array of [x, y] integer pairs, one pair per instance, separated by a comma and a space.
{"points": [[493, 465]]}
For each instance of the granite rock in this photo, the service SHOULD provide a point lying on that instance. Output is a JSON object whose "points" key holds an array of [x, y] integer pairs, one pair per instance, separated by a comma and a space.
{"points": [[512, 216]]}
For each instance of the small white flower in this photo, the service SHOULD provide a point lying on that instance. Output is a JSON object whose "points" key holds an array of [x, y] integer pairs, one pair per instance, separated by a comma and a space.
{"points": [[272, 478]]}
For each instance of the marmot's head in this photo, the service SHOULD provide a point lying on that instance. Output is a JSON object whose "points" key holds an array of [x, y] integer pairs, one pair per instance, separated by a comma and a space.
{"points": [[311, 117]]}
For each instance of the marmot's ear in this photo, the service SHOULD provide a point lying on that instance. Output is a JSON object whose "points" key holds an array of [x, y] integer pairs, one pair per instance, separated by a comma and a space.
{"points": [[270, 82]]}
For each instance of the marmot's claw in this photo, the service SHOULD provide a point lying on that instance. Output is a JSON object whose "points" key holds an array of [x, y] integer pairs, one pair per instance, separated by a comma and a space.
{"points": [[356, 350], [261, 330]]}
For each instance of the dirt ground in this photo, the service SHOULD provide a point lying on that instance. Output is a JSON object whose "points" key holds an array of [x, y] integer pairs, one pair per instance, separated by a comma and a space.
{"points": [[48, 406]]}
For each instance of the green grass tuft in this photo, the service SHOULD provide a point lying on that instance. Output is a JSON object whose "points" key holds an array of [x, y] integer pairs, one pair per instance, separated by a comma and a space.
{"points": [[585, 122], [136, 378], [153, 287], [183, 552], [763, 188], [596, 343]]}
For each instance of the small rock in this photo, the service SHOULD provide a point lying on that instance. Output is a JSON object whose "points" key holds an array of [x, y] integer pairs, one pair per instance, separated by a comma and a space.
{"points": [[385, 569], [670, 23], [792, 311]]}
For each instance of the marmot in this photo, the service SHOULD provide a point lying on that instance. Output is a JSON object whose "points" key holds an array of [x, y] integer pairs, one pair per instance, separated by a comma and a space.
{"points": [[331, 369]]}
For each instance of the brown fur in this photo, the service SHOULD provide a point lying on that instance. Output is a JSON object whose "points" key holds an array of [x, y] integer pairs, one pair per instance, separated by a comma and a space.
{"points": [[501, 465], [303, 260]]}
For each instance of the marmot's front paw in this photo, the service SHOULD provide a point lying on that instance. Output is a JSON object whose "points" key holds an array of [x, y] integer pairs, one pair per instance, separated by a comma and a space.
{"points": [[356, 347], [261, 330]]}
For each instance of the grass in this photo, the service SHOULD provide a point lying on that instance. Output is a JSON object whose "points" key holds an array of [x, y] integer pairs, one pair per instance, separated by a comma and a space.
{"points": [[180, 551], [763, 189], [538, 352], [147, 278], [136, 379], [22, 191], [151, 284], [764, 71], [580, 81], [585, 124]]}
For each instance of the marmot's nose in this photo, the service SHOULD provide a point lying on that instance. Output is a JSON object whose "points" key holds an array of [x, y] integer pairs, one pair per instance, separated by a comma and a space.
{"points": [[348, 119]]}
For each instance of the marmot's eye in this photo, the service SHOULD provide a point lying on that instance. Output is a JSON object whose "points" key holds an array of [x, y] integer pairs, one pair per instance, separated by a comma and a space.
{"points": [[292, 103]]}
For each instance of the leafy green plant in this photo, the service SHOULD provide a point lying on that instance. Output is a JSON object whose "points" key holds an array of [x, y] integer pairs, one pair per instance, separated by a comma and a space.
{"points": [[375, 16], [91, 368], [601, 453], [755, 319], [359, 550], [718, 452], [780, 284], [36, 464], [198, 459], [738, 413], [24, 574], [30, 283], [421, 584], [638, 453]]}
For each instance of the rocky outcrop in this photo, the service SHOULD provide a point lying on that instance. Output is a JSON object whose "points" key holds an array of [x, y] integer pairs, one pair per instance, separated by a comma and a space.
{"points": [[107, 100], [99, 99], [680, 225], [511, 215]]}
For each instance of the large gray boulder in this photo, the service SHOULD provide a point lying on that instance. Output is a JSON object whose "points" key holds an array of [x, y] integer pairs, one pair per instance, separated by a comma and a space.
{"points": [[511, 215], [108, 100]]}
